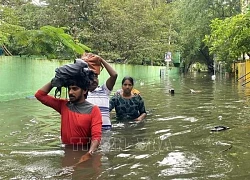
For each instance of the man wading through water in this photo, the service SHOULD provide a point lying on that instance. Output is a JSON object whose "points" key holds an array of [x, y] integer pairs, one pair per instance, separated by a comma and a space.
{"points": [[81, 122]]}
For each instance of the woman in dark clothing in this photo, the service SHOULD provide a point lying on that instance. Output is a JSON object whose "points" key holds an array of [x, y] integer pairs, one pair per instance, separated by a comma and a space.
{"points": [[128, 106]]}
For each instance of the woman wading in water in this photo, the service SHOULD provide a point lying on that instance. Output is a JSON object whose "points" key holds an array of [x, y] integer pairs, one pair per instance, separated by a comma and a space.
{"points": [[128, 106]]}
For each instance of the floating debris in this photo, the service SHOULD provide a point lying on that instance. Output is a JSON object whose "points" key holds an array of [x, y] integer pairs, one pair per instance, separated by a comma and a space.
{"points": [[219, 128]]}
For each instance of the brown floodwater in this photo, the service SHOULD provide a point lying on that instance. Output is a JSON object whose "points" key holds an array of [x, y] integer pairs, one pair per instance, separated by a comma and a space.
{"points": [[174, 142]]}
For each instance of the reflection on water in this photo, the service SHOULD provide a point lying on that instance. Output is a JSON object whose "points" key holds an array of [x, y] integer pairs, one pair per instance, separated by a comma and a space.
{"points": [[178, 164], [174, 142]]}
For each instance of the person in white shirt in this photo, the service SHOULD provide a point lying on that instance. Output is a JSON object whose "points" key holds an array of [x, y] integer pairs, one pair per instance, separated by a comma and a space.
{"points": [[99, 95]]}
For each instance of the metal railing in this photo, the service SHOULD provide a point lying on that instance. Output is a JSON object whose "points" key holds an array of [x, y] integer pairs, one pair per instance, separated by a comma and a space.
{"points": [[245, 80]]}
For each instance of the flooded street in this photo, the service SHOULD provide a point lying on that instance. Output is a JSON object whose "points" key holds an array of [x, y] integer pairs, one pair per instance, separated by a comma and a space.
{"points": [[174, 142]]}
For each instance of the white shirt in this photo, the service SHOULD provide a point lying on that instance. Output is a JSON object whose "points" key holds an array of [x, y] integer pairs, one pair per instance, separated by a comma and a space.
{"points": [[100, 97]]}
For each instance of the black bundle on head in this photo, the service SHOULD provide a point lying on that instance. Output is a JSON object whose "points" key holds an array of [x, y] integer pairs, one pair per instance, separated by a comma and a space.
{"points": [[81, 80], [72, 74]]}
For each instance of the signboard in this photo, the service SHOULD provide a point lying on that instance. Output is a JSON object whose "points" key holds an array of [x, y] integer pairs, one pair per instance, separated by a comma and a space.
{"points": [[168, 56]]}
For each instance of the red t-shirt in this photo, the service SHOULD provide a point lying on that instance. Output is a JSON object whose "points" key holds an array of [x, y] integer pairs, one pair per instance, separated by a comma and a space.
{"points": [[80, 123]]}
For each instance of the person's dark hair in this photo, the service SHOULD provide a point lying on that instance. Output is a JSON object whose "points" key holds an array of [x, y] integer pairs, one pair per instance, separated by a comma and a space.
{"points": [[128, 78], [81, 80]]}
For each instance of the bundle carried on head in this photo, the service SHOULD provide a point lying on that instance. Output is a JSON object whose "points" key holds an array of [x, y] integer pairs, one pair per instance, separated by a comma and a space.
{"points": [[78, 72], [94, 62]]}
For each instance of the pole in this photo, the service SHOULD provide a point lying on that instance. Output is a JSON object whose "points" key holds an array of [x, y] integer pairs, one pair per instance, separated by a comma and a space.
{"points": [[214, 76]]}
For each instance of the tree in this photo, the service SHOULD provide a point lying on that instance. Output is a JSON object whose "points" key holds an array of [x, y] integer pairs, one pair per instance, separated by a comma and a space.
{"points": [[230, 37], [195, 21], [130, 30], [9, 24]]}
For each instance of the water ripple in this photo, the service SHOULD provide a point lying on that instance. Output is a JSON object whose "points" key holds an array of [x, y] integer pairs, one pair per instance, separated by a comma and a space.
{"points": [[39, 153]]}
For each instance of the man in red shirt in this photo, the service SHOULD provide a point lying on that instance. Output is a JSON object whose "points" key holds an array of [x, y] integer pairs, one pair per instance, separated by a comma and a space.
{"points": [[81, 121]]}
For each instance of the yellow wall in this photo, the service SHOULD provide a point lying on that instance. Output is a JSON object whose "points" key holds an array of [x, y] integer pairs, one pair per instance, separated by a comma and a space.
{"points": [[248, 70], [243, 69]]}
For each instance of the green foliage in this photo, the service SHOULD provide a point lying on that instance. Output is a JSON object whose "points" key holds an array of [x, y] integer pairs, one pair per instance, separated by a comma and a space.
{"points": [[8, 24], [65, 39], [230, 37], [6, 30], [129, 31], [194, 19], [48, 41], [33, 17]]}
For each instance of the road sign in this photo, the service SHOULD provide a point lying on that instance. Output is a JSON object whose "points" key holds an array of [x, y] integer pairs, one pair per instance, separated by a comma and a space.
{"points": [[168, 56]]}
